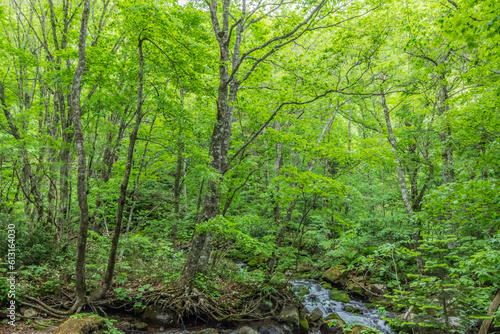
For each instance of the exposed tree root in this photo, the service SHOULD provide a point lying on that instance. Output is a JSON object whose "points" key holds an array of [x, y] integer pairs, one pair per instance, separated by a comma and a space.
{"points": [[45, 307], [195, 303], [185, 303], [40, 308]]}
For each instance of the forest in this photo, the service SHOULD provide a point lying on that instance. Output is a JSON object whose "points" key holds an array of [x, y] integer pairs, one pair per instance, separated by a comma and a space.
{"points": [[250, 166]]}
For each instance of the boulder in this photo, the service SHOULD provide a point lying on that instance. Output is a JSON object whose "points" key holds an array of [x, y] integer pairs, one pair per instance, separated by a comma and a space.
{"points": [[326, 285], [289, 315], [335, 275], [85, 325], [271, 329], [315, 315], [158, 316], [247, 330], [339, 296], [124, 326], [355, 288]]}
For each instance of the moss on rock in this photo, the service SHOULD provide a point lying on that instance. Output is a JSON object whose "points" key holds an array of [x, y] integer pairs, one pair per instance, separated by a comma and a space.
{"points": [[335, 275], [339, 296], [84, 325], [326, 285]]}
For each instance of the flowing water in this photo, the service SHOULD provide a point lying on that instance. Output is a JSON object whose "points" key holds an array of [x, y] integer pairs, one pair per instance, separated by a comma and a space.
{"points": [[320, 297]]}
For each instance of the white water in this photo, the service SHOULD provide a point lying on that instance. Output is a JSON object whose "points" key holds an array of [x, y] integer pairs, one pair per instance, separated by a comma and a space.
{"points": [[320, 298]]}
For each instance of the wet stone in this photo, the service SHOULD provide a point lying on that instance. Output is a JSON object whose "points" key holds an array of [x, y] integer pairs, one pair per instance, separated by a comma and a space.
{"points": [[270, 330], [247, 330]]}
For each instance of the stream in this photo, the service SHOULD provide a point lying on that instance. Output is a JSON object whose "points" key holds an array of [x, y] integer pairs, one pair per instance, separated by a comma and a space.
{"points": [[320, 298]]}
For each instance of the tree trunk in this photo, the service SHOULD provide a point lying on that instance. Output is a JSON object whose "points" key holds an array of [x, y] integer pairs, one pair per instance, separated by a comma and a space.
{"points": [[278, 162], [80, 151], [108, 276], [445, 132], [199, 255], [401, 179], [392, 140], [346, 205]]}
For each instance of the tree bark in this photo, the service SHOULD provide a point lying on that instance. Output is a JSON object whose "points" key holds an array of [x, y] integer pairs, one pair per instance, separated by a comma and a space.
{"points": [[402, 181], [80, 151], [445, 132], [177, 188], [392, 140]]}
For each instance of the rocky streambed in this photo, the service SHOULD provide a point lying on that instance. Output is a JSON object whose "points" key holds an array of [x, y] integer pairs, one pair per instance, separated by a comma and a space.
{"points": [[350, 311]]}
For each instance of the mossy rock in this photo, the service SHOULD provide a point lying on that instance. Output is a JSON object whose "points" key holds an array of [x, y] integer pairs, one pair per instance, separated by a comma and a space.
{"points": [[371, 305], [335, 275], [339, 296], [315, 315], [290, 315], [353, 287], [352, 309], [358, 329], [326, 285], [84, 325], [252, 263], [140, 326], [303, 325]]}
